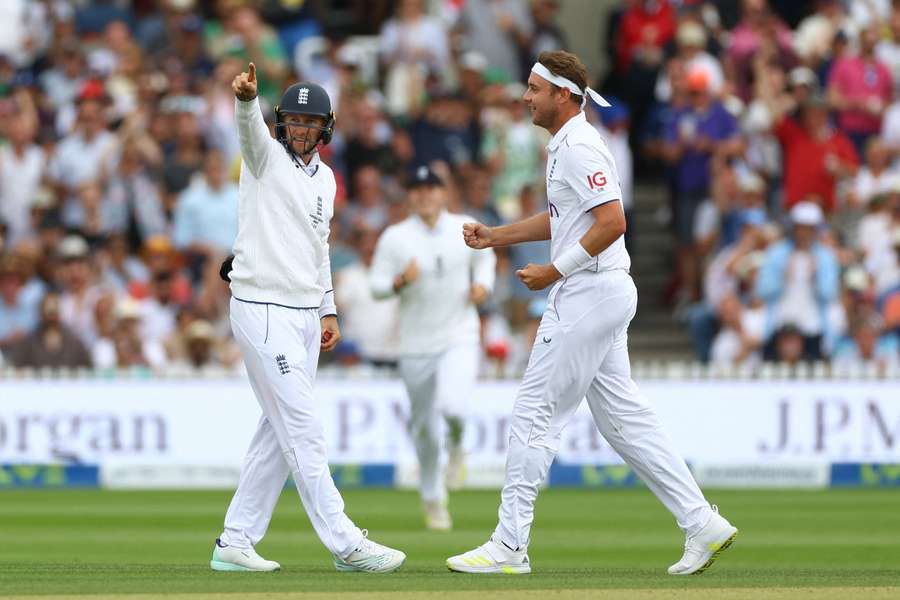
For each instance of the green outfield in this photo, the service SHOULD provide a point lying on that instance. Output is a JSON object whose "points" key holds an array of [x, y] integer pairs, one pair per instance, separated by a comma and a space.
{"points": [[586, 544]]}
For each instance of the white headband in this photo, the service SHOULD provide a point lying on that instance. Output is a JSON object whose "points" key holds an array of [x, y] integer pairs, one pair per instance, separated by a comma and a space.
{"points": [[542, 71]]}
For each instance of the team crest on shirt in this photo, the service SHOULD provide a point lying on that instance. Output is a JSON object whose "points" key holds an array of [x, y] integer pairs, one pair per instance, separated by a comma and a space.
{"points": [[281, 362]]}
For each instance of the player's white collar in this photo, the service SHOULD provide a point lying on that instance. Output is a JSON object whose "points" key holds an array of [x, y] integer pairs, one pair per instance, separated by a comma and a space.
{"points": [[313, 165], [567, 128], [442, 218]]}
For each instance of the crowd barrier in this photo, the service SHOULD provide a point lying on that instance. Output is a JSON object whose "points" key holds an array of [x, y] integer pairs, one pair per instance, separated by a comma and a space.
{"points": [[191, 432]]}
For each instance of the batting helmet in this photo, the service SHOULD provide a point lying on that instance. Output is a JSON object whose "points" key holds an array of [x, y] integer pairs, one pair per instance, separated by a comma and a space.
{"points": [[304, 98]]}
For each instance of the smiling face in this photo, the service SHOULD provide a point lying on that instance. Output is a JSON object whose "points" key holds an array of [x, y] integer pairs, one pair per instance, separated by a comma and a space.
{"points": [[303, 131], [543, 99]]}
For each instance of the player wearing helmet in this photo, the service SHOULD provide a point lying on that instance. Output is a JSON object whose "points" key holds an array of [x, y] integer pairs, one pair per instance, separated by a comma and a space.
{"points": [[283, 315]]}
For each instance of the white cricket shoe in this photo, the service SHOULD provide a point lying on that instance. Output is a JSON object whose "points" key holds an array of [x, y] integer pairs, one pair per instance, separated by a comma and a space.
{"points": [[703, 548], [456, 469], [437, 518], [491, 557], [371, 557], [229, 558]]}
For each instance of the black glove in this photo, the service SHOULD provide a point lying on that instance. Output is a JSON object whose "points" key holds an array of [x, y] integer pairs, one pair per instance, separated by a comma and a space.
{"points": [[225, 269]]}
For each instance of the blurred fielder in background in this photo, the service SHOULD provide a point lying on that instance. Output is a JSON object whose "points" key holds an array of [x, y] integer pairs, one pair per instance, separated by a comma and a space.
{"points": [[440, 282]]}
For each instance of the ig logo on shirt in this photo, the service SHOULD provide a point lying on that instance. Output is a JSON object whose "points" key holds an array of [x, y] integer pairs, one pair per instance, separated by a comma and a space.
{"points": [[597, 181]]}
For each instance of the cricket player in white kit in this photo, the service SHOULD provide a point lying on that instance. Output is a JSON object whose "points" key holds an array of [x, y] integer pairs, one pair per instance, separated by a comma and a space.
{"points": [[283, 315], [581, 349], [440, 281]]}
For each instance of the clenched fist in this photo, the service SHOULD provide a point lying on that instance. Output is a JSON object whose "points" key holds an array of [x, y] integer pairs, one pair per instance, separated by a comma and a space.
{"points": [[408, 276], [478, 236], [537, 277], [244, 85]]}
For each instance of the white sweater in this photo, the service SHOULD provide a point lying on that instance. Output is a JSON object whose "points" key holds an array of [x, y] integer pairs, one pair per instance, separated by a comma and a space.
{"points": [[435, 310], [281, 249]]}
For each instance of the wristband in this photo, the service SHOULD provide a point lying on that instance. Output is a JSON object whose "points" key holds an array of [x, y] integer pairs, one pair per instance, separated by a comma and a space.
{"points": [[573, 259]]}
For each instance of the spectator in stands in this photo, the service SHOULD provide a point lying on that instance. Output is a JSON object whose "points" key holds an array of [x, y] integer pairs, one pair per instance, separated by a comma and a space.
{"points": [[816, 156], [123, 346], [205, 222], [85, 154], [752, 200], [868, 343], [759, 31], [132, 205], [884, 265], [245, 36], [201, 345], [873, 234], [740, 335], [691, 41], [368, 209], [52, 344], [22, 168], [499, 30], [697, 133], [159, 309], [185, 147], [65, 77], [644, 30], [788, 346], [119, 268], [730, 273], [547, 35], [875, 177], [513, 150], [411, 46], [798, 280], [477, 200], [447, 131], [370, 325], [374, 141], [80, 291], [815, 34], [860, 89], [188, 49], [160, 257], [18, 312]]}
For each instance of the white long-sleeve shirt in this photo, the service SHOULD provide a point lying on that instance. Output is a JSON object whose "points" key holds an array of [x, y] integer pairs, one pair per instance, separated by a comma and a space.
{"points": [[435, 310], [284, 211]]}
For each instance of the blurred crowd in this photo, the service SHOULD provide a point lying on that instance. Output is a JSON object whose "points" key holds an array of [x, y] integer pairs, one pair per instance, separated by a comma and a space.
{"points": [[773, 125], [776, 126]]}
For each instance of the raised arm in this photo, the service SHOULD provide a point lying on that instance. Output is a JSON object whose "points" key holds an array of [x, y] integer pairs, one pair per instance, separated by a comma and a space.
{"points": [[253, 133], [532, 229]]}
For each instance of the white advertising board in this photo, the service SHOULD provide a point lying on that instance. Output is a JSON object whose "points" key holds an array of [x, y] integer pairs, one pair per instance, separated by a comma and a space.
{"points": [[209, 422]]}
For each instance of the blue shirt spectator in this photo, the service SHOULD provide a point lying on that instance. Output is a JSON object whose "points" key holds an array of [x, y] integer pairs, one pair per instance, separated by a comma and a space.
{"points": [[19, 314], [799, 278], [206, 215]]}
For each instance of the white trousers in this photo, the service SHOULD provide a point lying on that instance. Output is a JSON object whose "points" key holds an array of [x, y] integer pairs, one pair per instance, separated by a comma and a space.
{"points": [[439, 386], [280, 347], [581, 351]]}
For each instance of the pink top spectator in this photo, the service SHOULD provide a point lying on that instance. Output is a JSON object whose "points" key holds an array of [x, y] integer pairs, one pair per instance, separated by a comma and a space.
{"points": [[861, 80]]}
